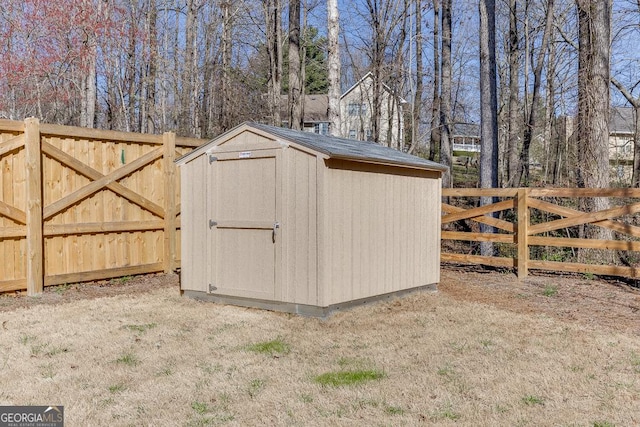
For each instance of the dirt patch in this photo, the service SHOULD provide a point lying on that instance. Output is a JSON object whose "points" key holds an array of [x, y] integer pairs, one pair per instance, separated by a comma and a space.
{"points": [[612, 304], [130, 285]]}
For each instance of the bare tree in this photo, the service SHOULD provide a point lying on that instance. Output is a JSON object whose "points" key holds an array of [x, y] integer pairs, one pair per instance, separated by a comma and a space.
{"points": [[273, 23], [488, 107], [434, 145], [227, 42], [514, 84], [295, 68], [534, 111], [446, 149], [149, 124], [333, 27], [594, 35], [188, 76], [417, 98]]}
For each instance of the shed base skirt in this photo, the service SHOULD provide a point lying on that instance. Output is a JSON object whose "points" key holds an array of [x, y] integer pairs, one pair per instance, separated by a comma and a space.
{"points": [[301, 309]]}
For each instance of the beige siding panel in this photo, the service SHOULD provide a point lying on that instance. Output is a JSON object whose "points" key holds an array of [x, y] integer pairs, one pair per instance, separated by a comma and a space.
{"points": [[322, 232], [247, 141], [299, 228], [376, 214], [194, 226]]}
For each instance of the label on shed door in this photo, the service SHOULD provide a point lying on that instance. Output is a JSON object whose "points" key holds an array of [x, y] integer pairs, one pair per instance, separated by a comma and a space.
{"points": [[244, 155]]}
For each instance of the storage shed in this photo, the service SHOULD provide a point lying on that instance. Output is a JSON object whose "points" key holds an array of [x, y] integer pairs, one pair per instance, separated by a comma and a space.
{"points": [[305, 223]]}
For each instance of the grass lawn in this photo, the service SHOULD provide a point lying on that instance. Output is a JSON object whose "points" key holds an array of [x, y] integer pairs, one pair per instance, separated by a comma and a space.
{"points": [[159, 359]]}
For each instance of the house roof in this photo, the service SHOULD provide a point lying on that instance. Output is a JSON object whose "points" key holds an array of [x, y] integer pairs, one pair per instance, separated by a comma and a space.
{"points": [[622, 120], [466, 130], [316, 108], [369, 75], [335, 148]]}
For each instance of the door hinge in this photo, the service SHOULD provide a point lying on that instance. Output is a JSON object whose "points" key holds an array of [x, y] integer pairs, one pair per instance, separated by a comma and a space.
{"points": [[212, 223], [212, 288], [212, 158]]}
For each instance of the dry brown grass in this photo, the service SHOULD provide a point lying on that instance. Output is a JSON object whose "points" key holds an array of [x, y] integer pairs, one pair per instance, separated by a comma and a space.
{"points": [[160, 359]]}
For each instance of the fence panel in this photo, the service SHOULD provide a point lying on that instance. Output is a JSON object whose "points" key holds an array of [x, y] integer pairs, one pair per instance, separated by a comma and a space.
{"points": [[109, 204], [13, 206], [532, 222]]}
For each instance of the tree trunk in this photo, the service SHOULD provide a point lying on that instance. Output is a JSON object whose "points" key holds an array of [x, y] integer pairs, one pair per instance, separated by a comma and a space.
{"points": [[417, 99], [188, 73], [635, 177], [523, 164], [594, 36], [295, 82], [377, 60], [89, 92], [550, 108], [333, 60], [434, 145], [274, 50], [488, 109], [152, 72], [225, 107], [514, 85], [594, 32], [446, 152]]}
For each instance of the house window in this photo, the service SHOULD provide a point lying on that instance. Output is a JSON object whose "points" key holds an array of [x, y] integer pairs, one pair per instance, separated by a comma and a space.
{"points": [[352, 134], [355, 109], [321, 128]]}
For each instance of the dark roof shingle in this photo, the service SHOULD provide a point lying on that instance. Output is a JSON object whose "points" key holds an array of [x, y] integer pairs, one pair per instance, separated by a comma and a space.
{"points": [[350, 149]]}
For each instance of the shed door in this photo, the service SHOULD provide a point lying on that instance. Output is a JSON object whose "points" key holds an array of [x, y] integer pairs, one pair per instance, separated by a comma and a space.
{"points": [[244, 206]]}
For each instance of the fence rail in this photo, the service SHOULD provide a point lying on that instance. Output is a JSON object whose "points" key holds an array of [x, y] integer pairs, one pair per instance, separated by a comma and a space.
{"points": [[553, 225], [81, 204]]}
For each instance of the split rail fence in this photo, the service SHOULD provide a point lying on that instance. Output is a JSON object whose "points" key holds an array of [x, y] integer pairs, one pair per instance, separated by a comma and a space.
{"points": [[82, 204], [526, 219]]}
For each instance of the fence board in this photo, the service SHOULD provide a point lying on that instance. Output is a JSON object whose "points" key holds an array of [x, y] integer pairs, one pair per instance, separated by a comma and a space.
{"points": [[35, 256], [495, 222], [481, 210], [613, 245], [11, 144], [568, 212]]}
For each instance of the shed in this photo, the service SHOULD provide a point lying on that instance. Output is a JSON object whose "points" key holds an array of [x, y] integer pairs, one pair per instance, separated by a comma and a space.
{"points": [[300, 222]]}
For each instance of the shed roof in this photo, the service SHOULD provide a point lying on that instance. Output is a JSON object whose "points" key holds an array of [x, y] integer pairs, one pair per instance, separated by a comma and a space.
{"points": [[335, 148]]}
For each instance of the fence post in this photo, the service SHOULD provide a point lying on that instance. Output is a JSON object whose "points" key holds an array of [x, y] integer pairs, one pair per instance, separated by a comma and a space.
{"points": [[35, 243], [523, 233], [169, 156]]}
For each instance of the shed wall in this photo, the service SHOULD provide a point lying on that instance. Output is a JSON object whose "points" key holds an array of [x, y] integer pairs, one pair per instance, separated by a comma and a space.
{"points": [[194, 225], [383, 232]]}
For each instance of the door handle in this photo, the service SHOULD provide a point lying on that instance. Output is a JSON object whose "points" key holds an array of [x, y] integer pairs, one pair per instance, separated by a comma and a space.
{"points": [[276, 225]]}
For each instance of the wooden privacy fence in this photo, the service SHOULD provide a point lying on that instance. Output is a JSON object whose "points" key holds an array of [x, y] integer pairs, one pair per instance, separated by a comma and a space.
{"points": [[525, 220], [84, 204]]}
